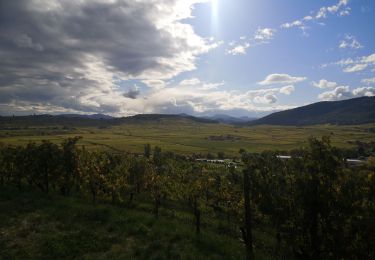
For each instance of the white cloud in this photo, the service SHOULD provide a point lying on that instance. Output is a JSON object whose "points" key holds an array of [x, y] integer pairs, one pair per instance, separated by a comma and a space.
{"points": [[324, 84], [339, 93], [190, 82], [198, 84], [182, 99], [364, 91], [209, 86], [354, 64], [368, 81], [344, 92], [350, 41], [264, 34], [239, 49], [340, 8], [355, 68], [287, 90], [261, 36], [154, 83], [266, 99], [281, 79], [296, 23], [345, 12], [322, 13], [369, 59]]}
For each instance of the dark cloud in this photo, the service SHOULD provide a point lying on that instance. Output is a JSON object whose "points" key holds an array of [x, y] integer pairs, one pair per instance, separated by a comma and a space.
{"points": [[68, 53], [132, 93]]}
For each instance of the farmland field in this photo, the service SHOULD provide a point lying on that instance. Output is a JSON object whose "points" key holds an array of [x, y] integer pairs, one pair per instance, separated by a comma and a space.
{"points": [[187, 137]]}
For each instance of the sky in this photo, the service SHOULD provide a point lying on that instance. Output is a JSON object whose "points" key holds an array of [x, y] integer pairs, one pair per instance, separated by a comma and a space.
{"points": [[199, 57]]}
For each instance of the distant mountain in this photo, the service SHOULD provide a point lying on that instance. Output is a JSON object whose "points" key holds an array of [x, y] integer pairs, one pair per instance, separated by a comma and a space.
{"points": [[222, 118], [159, 117], [99, 120], [93, 116], [351, 111]]}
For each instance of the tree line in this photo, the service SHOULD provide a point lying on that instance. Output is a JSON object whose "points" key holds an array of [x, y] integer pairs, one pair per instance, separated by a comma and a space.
{"points": [[315, 204]]}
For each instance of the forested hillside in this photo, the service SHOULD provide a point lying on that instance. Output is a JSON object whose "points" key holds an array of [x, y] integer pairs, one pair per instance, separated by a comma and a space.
{"points": [[346, 112]]}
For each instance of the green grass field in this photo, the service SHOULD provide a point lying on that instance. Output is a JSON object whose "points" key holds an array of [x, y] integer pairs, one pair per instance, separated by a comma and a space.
{"points": [[187, 137], [34, 226]]}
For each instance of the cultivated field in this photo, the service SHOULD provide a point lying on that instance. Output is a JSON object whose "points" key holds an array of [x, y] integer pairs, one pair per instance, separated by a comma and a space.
{"points": [[187, 137]]}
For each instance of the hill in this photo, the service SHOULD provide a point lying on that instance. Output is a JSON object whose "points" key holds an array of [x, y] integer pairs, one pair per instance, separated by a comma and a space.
{"points": [[142, 118], [93, 116], [226, 119], [98, 120], [347, 112]]}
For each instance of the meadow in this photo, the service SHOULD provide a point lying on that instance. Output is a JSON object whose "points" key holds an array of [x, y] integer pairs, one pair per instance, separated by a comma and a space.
{"points": [[188, 137], [34, 226]]}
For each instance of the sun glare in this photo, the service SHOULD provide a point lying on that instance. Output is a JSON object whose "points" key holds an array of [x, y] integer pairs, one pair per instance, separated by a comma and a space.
{"points": [[214, 6], [214, 14]]}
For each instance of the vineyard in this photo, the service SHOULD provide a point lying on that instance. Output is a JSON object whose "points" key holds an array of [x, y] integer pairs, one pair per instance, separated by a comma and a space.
{"points": [[182, 136], [162, 205]]}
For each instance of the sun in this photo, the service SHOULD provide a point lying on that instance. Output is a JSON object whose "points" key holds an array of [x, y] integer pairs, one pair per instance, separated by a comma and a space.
{"points": [[214, 11], [214, 5], [214, 15]]}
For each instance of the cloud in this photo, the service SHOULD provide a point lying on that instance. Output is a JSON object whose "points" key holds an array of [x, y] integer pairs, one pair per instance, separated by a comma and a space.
{"points": [[339, 93], [24, 41], [340, 8], [71, 55], [261, 36], [354, 64], [355, 68], [368, 81], [266, 99], [181, 98], [239, 49], [344, 92], [132, 93], [281, 79], [369, 59], [287, 90], [190, 82], [184, 99], [364, 91], [264, 34], [296, 23], [154, 83], [350, 41], [324, 84], [198, 84]]}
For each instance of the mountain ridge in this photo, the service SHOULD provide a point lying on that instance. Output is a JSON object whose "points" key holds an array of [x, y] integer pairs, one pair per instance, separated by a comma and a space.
{"points": [[345, 112]]}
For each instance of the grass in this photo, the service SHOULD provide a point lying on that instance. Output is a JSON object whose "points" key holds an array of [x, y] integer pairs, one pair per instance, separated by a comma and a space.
{"points": [[36, 226], [187, 137]]}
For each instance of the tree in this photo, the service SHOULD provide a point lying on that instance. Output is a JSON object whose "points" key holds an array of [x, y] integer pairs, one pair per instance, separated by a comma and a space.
{"points": [[93, 166], [195, 184], [220, 155], [158, 157], [116, 175], [70, 159], [147, 151], [247, 233], [137, 178]]}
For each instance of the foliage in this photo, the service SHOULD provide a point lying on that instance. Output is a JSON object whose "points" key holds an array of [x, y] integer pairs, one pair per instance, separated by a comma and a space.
{"points": [[314, 206]]}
